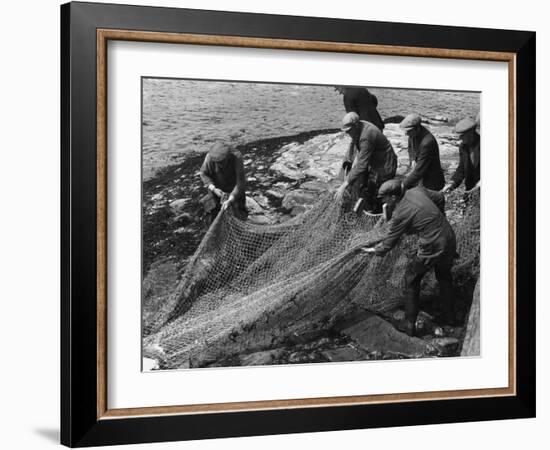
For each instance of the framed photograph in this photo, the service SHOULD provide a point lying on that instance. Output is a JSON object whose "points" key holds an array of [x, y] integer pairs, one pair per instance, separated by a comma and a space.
{"points": [[277, 224]]}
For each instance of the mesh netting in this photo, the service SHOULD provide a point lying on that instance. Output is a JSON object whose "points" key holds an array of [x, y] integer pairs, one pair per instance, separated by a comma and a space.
{"points": [[251, 286]]}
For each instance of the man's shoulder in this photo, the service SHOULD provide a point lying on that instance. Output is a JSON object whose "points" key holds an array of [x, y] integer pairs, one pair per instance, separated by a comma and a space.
{"points": [[429, 139], [370, 130]]}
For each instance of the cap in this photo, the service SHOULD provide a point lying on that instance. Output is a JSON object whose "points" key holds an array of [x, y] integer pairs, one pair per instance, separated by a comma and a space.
{"points": [[409, 122], [349, 120], [219, 151], [464, 125], [390, 187]]}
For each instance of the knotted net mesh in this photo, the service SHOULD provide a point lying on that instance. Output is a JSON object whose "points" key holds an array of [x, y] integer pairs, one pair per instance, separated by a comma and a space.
{"points": [[251, 286]]}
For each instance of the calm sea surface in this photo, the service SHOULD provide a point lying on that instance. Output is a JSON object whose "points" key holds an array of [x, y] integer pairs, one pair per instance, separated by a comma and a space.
{"points": [[180, 116]]}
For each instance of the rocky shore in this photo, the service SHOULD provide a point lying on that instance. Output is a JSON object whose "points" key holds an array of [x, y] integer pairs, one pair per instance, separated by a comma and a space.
{"points": [[285, 177]]}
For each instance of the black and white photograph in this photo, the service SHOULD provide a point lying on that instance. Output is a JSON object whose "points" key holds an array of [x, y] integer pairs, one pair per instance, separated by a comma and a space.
{"points": [[295, 224]]}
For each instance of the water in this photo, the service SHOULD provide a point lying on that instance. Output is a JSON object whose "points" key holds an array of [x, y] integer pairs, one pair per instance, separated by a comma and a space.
{"points": [[180, 116]]}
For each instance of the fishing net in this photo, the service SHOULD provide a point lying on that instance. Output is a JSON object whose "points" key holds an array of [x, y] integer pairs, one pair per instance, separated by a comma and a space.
{"points": [[252, 286]]}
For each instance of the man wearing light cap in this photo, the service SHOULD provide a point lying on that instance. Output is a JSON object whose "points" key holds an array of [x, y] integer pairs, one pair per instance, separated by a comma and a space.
{"points": [[419, 211], [371, 157], [424, 150], [222, 172], [468, 169]]}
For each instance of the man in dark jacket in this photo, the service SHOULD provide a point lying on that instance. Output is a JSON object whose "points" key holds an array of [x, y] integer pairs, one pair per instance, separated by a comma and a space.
{"points": [[421, 212], [222, 172], [468, 169], [362, 102], [423, 148], [371, 158]]}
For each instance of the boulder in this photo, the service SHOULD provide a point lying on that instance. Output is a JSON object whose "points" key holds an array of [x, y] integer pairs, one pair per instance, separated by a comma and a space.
{"points": [[260, 358], [318, 173], [315, 186], [376, 334], [471, 346], [259, 220], [447, 346], [261, 200], [298, 198], [346, 353], [274, 194], [177, 206], [253, 206], [287, 172]]}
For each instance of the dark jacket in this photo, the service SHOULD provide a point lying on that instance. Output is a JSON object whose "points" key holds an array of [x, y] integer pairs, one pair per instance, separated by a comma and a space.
{"points": [[375, 156], [467, 170], [421, 211], [427, 170], [227, 176], [361, 101]]}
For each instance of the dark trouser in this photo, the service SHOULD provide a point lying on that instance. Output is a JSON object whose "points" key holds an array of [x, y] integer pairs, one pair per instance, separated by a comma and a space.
{"points": [[414, 273]]}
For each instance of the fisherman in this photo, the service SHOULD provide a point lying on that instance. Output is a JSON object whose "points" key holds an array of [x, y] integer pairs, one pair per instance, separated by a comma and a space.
{"points": [[222, 172], [419, 211], [370, 160], [468, 169], [362, 102], [424, 151]]}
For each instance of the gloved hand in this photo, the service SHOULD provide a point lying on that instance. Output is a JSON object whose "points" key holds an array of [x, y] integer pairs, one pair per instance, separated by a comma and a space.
{"points": [[346, 165]]}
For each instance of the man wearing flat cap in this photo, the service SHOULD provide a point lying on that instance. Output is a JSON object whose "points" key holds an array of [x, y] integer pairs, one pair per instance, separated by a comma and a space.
{"points": [[421, 212], [222, 172], [424, 149], [468, 169], [371, 158]]}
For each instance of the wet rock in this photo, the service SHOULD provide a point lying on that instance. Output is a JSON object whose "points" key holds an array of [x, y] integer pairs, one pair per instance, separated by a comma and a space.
{"points": [[346, 353], [253, 206], [374, 333], [311, 335], [179, 205], [283, 170], [157, 197], [319, 174], [260, 358], [471, 346], [298, 197], [259, 220], [274, 194], [261, 200], [447, 346], [316, 186], [184, 218]]}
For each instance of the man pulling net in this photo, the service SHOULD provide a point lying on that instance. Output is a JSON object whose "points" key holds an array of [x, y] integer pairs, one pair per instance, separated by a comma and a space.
{"points": [[419, 211]]}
